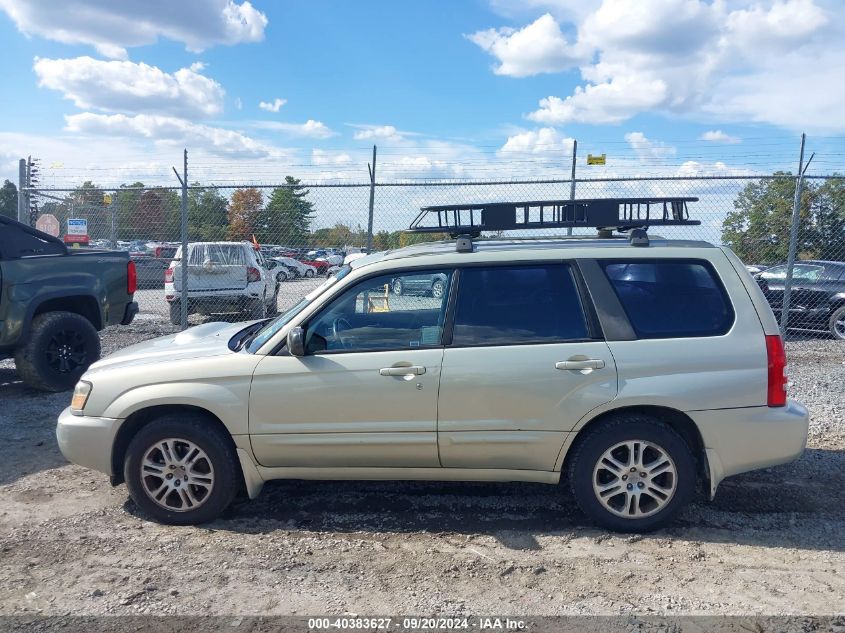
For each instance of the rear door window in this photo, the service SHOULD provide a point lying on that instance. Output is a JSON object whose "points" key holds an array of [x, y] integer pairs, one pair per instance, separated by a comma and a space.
{"points": [[671, 298], [518, 305]]}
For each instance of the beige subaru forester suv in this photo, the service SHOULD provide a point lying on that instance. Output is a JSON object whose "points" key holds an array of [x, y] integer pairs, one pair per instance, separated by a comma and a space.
{"points": [[638, 372]]}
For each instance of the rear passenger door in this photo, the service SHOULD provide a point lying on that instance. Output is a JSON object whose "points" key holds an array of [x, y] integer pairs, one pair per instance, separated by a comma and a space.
{"points": [[523, 365]]}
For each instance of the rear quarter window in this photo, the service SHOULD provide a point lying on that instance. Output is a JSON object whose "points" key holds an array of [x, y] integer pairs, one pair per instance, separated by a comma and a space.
{"points": [[671, 298]]}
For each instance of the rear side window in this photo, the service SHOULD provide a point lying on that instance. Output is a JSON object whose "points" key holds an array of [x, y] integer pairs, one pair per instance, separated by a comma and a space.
{"points": [[671, 298], [514, 305]]}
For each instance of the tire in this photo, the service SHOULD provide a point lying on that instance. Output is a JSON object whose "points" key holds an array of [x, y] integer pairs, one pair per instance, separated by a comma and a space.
{"points": [[398, 288], [216, 464], [309, 273], [175, 313], [588, 466], [837, 323], [281, 276], [273, 307], [437, 289], [58, 350], [258, 310]]}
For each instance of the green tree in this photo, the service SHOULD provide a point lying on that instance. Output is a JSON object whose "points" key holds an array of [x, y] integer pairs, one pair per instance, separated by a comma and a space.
{"points": [[9, 200], [829, 220], [758, 228], [207, 214], [287, 218]]}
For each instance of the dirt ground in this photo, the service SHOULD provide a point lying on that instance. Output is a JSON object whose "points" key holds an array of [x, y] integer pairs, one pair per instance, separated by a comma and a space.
{"points": [[772, 542]]}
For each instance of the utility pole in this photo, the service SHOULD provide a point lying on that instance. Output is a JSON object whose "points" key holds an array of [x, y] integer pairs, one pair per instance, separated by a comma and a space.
{"points": [[572, 180], [22, 205], [793, 237], [183, 180], [372, 170]]}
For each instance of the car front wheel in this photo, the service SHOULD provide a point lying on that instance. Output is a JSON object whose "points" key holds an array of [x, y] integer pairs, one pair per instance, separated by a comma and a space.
{"points": [[181, 470], [632, 473]]}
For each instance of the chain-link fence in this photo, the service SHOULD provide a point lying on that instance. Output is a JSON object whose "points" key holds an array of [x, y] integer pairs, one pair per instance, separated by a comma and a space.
{"points": [[306, 230]]}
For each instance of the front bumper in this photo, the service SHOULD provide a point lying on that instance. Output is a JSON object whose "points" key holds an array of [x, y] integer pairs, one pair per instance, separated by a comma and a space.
{"points": [[749, 438], [87, 441], [129, 313]]}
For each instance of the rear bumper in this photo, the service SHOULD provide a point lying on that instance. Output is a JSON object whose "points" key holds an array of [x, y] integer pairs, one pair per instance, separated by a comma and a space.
{"points": [[739, 440], [129, 313], [87, 441]]}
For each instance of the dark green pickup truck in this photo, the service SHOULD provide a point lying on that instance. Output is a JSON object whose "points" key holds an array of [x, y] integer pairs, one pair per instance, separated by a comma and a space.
{"points": [[54, 300]]}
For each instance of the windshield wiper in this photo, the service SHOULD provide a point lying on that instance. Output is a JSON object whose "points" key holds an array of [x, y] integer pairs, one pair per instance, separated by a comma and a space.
{"points": [[246, 335]]}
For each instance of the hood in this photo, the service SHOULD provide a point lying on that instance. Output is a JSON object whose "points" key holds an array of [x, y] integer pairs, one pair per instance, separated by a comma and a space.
{"points": [[202, 341]]}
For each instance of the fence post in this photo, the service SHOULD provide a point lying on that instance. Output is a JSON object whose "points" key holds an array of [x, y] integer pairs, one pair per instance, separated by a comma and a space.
{"points": [[793, 241], [113, 206], [572, 179], [22, 205], [184, 232], [372, 170]]}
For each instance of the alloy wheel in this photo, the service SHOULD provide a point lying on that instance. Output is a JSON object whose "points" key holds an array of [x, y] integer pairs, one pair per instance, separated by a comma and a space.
{"points": [[635, 479], [66, 351], [177, 475]]}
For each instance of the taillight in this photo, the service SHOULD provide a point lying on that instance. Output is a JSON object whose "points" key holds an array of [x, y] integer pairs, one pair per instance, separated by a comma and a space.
{"points": [[168, 275], [777, 370], [131, 278], [252, 274]]}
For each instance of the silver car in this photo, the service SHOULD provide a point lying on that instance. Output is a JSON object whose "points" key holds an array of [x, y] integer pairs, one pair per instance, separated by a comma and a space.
{"points": [[635, 374]]}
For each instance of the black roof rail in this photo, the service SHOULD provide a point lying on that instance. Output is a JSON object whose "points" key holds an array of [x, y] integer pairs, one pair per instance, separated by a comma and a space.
{"points": [[621, 214]]}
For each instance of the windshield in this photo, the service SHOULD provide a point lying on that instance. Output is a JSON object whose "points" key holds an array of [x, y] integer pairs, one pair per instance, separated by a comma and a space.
{"points": [[271, 327]]}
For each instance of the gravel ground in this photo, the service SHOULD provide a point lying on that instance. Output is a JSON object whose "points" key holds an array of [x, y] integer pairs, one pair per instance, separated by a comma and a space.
{"points": [[773, 541]]}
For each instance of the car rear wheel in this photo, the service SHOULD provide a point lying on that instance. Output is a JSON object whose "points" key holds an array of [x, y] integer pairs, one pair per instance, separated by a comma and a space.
{"points": [[309, 273], [632, 473], [837, 323], [181, 470], [59, 348], [175, 310], [398, 288]]}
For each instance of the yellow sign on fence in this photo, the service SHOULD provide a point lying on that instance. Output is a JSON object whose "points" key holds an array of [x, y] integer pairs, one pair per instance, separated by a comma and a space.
{"points": [[597, 160]]}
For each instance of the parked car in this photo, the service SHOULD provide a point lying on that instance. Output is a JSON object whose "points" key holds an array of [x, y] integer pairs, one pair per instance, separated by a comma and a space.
{"points": [[755, 268], [817, 298], [223, 277], [299, 269], [320, 266], [433, 284], [54, 300], [150, 270], [635, 372]]}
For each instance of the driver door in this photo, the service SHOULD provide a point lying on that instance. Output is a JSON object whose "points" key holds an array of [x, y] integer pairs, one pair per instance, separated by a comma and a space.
{"points": [[365, 393]]}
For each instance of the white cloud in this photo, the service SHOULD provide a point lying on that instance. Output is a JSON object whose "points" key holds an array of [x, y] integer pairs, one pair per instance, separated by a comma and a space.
{"points": [[239, 105], [538, 48], [165, 129], [112, 27], [310, 129], [722, 60], [546, 142], [322, 157], [272, 106], [386, 133], [123, 86], [608, 102], [646, 149], [717, 136]]}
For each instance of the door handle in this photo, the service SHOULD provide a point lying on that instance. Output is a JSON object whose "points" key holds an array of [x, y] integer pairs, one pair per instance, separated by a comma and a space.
{"points": [[413, 370], [589, 363]]}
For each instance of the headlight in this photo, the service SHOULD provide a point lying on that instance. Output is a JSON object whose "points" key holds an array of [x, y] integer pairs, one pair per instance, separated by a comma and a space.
{"points": [[80, 397]]}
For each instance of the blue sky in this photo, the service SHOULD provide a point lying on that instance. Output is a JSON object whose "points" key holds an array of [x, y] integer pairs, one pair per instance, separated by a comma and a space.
{"points": [[471, 89]]}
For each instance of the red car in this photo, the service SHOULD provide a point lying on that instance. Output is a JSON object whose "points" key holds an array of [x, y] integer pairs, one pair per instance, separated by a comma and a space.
{"points": [[321, 266]]}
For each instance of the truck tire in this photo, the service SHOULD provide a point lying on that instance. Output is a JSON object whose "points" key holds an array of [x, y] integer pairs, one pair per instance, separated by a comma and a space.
{"points": [[59, 349]]}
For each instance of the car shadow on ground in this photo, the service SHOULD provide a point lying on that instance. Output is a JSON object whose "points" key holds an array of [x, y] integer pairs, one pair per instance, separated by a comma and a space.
{"points": [[765, 508]]}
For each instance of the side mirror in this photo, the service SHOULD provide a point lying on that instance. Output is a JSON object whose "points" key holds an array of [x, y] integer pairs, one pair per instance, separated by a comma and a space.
{"points": [[271, 264], [296, 342]]}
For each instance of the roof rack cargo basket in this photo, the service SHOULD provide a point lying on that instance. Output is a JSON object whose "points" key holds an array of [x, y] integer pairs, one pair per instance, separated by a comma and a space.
{"points": [[621, 214]]}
